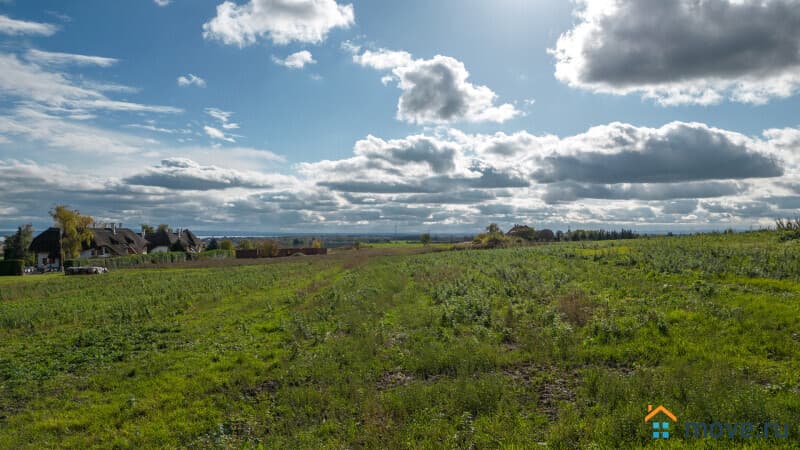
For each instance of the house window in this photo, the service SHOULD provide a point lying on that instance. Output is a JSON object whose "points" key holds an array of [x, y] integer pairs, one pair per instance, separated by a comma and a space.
{"points": [[661, 430]]}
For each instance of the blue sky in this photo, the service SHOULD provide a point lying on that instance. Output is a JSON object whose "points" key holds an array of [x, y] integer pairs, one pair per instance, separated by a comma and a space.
{"points": [[424, 115]]}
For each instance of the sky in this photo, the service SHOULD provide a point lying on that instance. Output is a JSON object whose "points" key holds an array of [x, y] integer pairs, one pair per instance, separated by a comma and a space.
{"points": [[326, 116]]}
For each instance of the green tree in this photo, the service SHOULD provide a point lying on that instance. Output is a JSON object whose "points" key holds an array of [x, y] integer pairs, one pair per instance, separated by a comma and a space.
{"points": [[17, 246], [147, 229], [492, 228], [212, 244], [316, 243], [425, 238], [226, 244], [163, 227], [75, 231], [245, 244]]}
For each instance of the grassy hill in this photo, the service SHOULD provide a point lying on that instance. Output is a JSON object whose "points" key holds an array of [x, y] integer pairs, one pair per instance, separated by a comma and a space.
{"points": [[562, 345]]}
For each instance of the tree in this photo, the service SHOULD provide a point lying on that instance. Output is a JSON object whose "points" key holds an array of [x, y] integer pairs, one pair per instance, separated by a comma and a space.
{"points": [[492, 228], [357, 245], [226, 244], [425, 238], [17, 246], [147, 229], [316, 243], [268, 248], [75, 231], [245, 244], [164, 227], [212, 244]]}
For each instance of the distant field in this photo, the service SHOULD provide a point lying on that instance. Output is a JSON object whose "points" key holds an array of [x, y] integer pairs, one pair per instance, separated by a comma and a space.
{"points": [[560, 345]]}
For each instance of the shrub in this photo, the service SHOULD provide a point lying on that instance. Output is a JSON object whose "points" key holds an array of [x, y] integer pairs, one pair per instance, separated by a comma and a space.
{"points": [[12, 267]]}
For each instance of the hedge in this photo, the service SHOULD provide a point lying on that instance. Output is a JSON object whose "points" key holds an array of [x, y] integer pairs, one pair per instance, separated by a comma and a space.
{"points": [[153, 258], [12, 267]]}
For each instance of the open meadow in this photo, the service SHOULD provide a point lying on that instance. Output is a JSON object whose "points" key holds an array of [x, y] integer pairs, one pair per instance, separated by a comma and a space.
{"points": [[561, 345]]}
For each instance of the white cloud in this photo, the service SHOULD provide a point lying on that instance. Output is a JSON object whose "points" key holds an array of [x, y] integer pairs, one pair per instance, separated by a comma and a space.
{"points": [[33, 125], [19, 27], [215, 133], [191, 80], [295, 60], [383, 59], [162, 3], [282, 21], [223, 117], [684, 51], [58, 59], [436, 91], [31, 82], [186, 174]]}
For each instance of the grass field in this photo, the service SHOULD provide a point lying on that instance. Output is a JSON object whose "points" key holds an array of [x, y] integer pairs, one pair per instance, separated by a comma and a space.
{"points": [[560, 345]]}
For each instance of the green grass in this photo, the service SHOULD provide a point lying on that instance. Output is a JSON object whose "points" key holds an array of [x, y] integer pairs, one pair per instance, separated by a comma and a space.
{"points": [[561, 345]]}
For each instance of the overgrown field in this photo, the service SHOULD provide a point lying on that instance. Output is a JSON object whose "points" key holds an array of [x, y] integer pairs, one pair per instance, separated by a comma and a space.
{"points": [[560, 345]]}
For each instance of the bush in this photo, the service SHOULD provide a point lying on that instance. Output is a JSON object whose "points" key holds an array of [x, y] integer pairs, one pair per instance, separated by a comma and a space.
{"points": [[72, 263], [12, 267], [492, 240], [216, 254], [153, 258]]}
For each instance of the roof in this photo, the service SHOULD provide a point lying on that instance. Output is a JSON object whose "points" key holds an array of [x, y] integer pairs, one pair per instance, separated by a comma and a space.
{"points": [[121, 241], [48, 241], [164, 238], [660, 409]]}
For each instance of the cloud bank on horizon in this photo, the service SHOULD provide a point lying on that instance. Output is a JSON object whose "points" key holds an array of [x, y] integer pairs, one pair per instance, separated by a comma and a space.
{"points": [[451, 149]]}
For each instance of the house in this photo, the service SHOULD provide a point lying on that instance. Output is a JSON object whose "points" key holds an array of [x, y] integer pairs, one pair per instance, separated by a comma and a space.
{"points": [[167, 241], [107, 241], [113, 240], [660, 428], [47, 247]]}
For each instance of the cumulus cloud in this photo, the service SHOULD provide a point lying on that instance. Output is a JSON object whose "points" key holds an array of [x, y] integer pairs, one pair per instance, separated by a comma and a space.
{"points": [[185, 174], [436, 90], [445, 179], [381, 59], [191, 80], [684, 51], [16, 27], [281, 21], [621, 153], [57, 58], [571, 191], [295, 60]]}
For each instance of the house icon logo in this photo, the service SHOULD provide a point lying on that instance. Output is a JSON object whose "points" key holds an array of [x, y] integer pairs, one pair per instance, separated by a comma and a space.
{"points": [[660, 426]]}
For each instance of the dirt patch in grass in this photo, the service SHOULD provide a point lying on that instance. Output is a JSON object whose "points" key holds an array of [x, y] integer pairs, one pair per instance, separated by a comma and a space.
{"points": [[553, 385], [393, 379], [576, 307], [266, 386]]}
